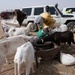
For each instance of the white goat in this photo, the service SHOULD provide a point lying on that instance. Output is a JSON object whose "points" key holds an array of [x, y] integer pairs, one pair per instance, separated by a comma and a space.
{"points": [[61, 28], [2, 60], [19, 31], [24, 55], [13, 42], [6, 28], [9, 45], [9, 23]]}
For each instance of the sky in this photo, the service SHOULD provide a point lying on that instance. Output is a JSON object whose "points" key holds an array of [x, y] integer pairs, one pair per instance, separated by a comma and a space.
{"points": [[19, 4]]}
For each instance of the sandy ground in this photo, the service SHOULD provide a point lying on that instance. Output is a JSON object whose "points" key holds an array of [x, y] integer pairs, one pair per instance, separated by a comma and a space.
{"points": [[46, 67]]}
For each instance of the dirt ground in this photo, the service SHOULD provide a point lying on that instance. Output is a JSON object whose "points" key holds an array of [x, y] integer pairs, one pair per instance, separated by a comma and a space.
{"points": [[46, 67]]}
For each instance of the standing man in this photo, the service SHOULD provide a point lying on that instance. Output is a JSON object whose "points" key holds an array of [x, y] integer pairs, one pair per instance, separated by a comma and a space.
{"points": [[47, 9]]}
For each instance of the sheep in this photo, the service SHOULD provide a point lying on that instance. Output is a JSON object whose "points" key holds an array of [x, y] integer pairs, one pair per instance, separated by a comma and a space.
{"points": [[9, 45], [24, 55], [58, 37], [19, 31]]}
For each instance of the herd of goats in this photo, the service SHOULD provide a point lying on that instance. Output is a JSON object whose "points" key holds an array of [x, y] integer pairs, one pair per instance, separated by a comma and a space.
{"points": [[20, 42]]}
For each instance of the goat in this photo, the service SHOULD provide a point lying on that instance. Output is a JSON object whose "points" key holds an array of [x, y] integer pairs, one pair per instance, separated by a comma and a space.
{"points": [[24, 55], [6, 28], [20, 16], [9, 45], [13, 42], [58, 37], [19, 31], [17, 20], [2, 60], [61, 28], [8, 24]]}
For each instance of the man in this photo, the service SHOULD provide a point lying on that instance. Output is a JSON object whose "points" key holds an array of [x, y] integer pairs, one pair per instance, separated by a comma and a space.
{"points": [[47, 9], [39, 22]]}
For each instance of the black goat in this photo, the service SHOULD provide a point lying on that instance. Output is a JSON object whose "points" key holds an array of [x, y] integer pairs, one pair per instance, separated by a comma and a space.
{"points": [[58, 37], [20, 16]]}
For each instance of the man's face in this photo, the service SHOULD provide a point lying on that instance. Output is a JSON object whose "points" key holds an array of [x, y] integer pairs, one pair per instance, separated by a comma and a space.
{"points": [[47, 8]]}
